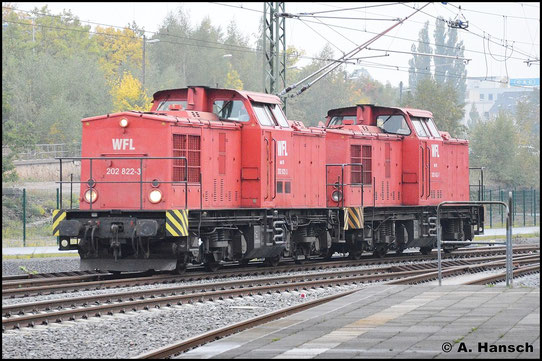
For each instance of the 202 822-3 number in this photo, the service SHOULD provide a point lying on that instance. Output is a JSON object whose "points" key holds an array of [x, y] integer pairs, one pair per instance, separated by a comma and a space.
{"points": [[123, 171]]}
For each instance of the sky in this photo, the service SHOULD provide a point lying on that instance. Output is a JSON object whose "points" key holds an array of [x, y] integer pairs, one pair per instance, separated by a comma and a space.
{"points": [[501, 36]]}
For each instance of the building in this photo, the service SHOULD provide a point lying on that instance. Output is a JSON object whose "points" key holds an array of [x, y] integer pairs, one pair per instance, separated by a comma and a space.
{"points": [[491, 94]]}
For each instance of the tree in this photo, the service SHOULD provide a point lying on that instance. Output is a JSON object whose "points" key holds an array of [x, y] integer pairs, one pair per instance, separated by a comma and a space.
{"points": [[420, 65], [494, 145], [129, 95], [330, 92], [447, 70], [474, 116], [441, 101], [232, 79], [119, 50]]}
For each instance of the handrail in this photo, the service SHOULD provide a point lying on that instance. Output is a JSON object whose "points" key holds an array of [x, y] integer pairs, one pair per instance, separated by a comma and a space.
{"points": [[342, 184], [423, 177], [91, 182], [480, 183], [508, 242], [267, 163], [274, 169], [428, 171]]}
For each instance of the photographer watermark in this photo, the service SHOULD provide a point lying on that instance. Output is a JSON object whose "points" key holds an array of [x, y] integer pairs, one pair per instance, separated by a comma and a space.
{"points": [[486, 347]]}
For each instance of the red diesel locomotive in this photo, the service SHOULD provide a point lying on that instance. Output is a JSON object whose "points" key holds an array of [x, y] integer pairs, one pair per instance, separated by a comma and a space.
{"points": [[214, 175]]}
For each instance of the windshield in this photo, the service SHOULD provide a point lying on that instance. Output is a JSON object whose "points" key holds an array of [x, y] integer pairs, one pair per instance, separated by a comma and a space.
{"points": [[394, 124], [338, 120], [164, 106], [425, 127], [230, 110]]}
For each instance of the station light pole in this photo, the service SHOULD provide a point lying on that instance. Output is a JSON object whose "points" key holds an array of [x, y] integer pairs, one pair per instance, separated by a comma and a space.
{"points": [[144, 42]]}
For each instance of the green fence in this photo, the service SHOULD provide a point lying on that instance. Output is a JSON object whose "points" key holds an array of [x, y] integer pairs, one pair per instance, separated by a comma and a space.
{"points": [[27, 215], [525, 206]]}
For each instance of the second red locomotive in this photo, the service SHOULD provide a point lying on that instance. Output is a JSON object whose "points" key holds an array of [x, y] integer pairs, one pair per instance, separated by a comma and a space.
{"points": [[213, 175]]}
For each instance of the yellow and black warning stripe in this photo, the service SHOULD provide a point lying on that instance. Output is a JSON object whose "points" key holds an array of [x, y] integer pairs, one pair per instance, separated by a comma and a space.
{"points": [[177, 222], [58, 215], [353, 218]]}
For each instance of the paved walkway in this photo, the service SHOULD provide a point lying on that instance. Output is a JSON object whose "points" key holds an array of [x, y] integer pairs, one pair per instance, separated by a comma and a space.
{"points": [[32, 250], [386, 321], [515, 230]]}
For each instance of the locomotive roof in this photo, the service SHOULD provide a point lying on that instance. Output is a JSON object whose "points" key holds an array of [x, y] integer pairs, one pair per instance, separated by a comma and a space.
{"points": [[255, 96], [410, 111]]}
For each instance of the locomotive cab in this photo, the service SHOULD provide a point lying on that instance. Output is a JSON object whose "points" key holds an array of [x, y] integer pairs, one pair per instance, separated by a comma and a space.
{"points": [[401, 163]]}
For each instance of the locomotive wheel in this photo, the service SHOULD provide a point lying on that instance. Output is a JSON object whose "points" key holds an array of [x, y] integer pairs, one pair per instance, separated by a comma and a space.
{"points": [[379, 253], [355, 254], [300, 250], [180, 267], [426, 250], [272, 261], [212, 266]]}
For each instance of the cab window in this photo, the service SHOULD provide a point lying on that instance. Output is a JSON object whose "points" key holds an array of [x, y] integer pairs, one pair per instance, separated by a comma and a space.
{"points": [[420, 129], [338, 120], [432, 128], [164, 105], [427, 127], [263, 114], [279, 115], [394, 124], [230, 110]]}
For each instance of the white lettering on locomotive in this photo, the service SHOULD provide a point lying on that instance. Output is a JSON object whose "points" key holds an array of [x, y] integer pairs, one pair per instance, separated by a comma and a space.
{"points": [[434, 150], [123, 144], [281, 148]]}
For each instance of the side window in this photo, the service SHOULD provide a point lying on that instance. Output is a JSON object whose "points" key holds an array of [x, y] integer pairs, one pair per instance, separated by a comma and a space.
{"points": [[263, 114], [338, 119], [230, 110], [432, 128], [395, 124], [164, 106], [420, 130], [279, 115]]}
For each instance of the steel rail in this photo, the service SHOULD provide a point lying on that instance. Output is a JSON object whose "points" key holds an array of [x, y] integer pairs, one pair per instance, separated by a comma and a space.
{"points": [[109, 308], [187, 344], [502, 276], [50, 289], [21, 308]]}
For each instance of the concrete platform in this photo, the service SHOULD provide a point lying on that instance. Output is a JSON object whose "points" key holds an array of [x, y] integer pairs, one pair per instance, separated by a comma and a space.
{"points": [[384, 321], [11, 251]]}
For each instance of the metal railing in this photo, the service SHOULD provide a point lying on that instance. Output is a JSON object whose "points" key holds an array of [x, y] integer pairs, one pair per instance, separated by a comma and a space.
{"points": [[46, 151], [480, 184], [92, 183], [508, 242], [340, 182]]}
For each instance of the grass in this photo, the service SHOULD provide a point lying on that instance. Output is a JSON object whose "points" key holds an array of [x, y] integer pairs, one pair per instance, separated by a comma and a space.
{"points": [[39, 207]]}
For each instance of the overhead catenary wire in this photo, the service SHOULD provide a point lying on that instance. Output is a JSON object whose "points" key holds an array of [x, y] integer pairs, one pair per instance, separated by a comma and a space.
{"points": [[371, 32], [228, 47], [332, 66]]}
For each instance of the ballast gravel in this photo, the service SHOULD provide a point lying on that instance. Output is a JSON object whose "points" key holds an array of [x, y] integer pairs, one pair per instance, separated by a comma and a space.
{"points": [[128, 335], [40, 265]]}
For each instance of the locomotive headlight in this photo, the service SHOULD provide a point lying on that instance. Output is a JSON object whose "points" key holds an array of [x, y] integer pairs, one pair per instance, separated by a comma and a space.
{"points": [[91, 195], [337, 196], [155, 196], [123, 122]]}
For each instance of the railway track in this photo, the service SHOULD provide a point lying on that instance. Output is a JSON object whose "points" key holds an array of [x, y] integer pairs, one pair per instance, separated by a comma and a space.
{"points": [[16, 316], [44, 285], [522, 267]]}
